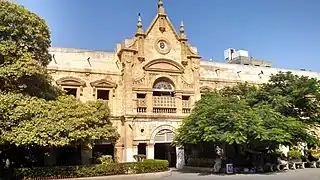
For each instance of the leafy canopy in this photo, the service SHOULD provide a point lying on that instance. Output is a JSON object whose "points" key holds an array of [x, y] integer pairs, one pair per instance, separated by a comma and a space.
{"points": [[24, 43], [279, 112], [30, 121], [33, 112]]}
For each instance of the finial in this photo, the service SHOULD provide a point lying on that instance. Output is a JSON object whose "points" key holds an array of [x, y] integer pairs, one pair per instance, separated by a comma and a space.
{"points": [[160, 7], [181, 27], [139, 25], [182, 35]]}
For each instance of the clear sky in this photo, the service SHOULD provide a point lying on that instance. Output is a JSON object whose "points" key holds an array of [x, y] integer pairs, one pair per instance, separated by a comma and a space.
{"points": [[286, 32]]}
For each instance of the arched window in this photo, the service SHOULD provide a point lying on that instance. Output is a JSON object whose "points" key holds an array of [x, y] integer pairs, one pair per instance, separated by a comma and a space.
{"points": [[163, 87]]}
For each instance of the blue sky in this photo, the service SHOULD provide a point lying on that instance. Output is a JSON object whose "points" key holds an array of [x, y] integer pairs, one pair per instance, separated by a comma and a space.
{"points": [[286, 32]]}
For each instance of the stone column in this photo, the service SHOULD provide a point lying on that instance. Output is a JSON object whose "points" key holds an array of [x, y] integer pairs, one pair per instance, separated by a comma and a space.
{"points": [[150, 151], [180, 157], [134, 150], [127, 58], [178, 97], [149, 102], [119, 153], [86, 155], [196, 75], [129, 139]]}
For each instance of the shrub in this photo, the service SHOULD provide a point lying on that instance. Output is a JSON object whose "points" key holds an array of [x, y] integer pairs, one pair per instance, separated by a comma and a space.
{"points": [[148, 166], [315, 153], [295, 154], [104, 159], [139, 157]]}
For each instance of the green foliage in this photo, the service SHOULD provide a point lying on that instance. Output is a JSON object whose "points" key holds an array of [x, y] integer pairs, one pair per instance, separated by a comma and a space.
{"points": [[149, 166], [293, 96], [24, 43], [294, 153], [105, 159], [29, 121], [279, 112], [140, 157], [23, 32]]}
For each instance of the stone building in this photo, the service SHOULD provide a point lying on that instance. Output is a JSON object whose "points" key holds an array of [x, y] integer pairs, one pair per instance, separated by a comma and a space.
{"points": [[150, 83]]}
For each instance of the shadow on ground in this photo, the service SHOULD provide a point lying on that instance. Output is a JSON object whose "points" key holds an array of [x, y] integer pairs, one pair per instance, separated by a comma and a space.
{"points": [[204, 173]]}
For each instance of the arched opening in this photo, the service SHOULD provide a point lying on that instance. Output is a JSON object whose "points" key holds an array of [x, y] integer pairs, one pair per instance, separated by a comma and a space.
{"points": [[163, 96], [163, 87], [163, 149]]}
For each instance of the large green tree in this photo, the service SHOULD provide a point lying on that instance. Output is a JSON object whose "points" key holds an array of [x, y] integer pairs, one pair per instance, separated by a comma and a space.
{"points": [[24, 43], [29, 121], [33, 112], [282, 111], [227, 119]]}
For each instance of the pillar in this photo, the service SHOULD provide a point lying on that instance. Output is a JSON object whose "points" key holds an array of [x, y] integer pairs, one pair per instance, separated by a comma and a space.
{"points": [[180, 157], [149, 102], [178, 97], [119, 153], [134, 150], [86, 155], [150, 151], [129, 140]]}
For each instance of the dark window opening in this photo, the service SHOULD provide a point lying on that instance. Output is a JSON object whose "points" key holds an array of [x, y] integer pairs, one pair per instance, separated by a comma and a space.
{"points": [[185, 98], [71, 91], [246, 64], [142, 148], [141, 96], [103, 94], [161, 93]]}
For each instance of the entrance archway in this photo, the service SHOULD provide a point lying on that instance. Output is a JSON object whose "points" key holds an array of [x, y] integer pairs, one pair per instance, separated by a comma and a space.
{"points": [[163, 149]]}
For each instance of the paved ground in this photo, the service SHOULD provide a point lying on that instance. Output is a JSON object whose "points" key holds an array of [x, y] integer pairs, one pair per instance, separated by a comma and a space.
{"points": [[302, 174]]}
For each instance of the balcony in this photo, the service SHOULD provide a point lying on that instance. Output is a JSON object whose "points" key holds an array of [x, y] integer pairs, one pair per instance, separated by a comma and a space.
{"points": [[164, 104], [141, 106], [186, 107]]}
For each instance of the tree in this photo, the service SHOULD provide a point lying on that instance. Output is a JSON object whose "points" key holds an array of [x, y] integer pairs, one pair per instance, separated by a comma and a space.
{"points": [[24, 43], [57, 123], [226, 119], [33, 112], [293, 96]]}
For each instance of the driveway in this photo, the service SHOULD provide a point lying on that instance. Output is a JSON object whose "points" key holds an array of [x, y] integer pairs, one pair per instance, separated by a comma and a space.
{"points": [[301, 174]]}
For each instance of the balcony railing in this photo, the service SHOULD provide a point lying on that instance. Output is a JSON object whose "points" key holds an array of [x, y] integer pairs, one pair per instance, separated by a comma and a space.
{"points": [[164, 104], [186, 108], [141, 106]]}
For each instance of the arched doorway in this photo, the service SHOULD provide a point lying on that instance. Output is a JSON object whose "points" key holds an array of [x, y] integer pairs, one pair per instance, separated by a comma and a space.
{"points": [[163, 148]]}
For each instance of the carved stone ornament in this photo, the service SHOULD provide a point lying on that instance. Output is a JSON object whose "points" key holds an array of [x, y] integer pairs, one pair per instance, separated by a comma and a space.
{"points": [[162, 45], [70, 81], [103, 83]]}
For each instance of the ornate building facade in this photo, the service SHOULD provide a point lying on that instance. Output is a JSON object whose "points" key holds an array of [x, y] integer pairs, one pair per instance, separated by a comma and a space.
{"points": [[150, 83]]}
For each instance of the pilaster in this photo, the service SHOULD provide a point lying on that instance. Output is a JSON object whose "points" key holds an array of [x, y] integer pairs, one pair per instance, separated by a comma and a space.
{"points": [[178, 98], [127, 57], [129, 140], [149, 102], [150, 151]]}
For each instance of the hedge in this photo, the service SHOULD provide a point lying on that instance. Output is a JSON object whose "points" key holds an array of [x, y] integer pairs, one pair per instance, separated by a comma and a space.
{"points": [[147, 166]]}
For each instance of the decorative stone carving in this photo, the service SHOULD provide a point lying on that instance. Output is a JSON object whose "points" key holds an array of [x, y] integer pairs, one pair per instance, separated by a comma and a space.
{"points": [[103, 83], [140, 80], [186, 85], [164, 65], [70, 81], [162, 45]]}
